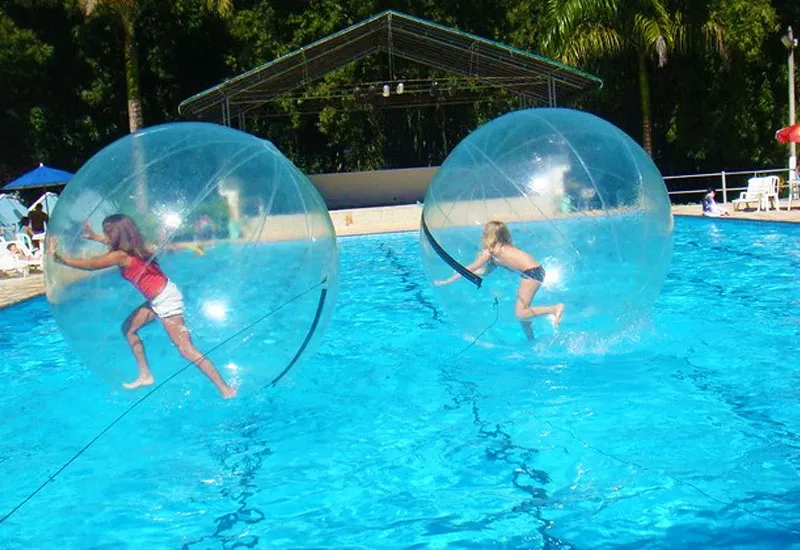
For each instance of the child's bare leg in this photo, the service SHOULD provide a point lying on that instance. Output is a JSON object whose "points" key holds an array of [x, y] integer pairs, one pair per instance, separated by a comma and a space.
{"points": [[177, 331], [130, 328], [527, 290]]}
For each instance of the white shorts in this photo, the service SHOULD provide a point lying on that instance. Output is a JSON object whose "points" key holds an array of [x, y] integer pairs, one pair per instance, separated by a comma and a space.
{"points": [[169, 303]]}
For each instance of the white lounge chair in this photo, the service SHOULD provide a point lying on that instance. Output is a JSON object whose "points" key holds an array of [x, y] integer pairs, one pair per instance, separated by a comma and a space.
{"points": [[11, 263], [34, 254], [25, 244], [762, 191]]}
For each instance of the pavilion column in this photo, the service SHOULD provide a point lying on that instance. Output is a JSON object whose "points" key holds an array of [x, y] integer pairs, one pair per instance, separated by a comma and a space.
{"points": [[551, 92]]}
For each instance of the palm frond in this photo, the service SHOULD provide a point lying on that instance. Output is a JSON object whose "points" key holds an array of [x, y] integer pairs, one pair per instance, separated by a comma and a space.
{"points": [[87, 6], [709, 35], [222, 7], [714, 35], [571, 26], [681, 33], [590, 42], [652, 36], [90, 6]]}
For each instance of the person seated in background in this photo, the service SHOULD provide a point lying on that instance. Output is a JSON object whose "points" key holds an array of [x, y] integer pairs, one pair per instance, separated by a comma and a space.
{"points": [[39, 219], [711, 208], [15, 250]]}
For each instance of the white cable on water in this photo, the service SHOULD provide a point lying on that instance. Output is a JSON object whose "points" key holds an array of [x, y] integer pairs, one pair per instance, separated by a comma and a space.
{"points": [[145, 396]]}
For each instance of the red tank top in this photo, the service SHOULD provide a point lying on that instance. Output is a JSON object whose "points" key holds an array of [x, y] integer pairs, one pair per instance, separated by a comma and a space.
{"points": [[147, 277]]}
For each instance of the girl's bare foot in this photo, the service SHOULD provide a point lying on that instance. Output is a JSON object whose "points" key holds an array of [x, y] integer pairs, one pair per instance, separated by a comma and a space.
{"points": [[228, 392], [558, 311], [139, 382]]}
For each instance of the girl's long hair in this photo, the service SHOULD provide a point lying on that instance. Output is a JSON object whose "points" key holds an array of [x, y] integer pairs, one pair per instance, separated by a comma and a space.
{"points": [[124, 235]]}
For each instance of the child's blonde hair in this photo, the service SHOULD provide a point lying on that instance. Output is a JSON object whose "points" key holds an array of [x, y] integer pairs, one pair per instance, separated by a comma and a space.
{"points": [[495, 233]]}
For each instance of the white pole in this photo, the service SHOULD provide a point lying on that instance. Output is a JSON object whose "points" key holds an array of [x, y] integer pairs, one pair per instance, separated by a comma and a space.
{"points": [[724, 189], [792, 145]]}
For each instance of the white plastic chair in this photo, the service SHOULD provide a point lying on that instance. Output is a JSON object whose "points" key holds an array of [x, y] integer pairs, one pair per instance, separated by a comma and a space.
{"points": [[762, 191], [26, 245], [794, 193], [34, 254]]}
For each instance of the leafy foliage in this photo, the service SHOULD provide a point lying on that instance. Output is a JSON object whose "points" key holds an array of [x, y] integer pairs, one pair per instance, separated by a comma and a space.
{"points": [[708, 76], [23, 59]]}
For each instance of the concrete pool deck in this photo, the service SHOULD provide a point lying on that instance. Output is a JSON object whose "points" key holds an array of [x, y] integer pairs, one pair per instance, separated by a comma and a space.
{"points": [[18, 289], [780, 215], [387, 219]]}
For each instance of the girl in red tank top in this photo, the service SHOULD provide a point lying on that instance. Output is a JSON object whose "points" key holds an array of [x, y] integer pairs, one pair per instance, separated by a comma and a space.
{"points": [[146, 276], [138, 265]]}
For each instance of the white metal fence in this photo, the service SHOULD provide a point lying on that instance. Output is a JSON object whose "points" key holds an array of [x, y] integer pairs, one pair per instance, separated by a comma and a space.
{"points": [[722, 180]]}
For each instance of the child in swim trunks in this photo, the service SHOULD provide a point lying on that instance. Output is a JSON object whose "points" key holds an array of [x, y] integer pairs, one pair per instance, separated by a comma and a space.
{"points": [[138, 265], [499, 250]]}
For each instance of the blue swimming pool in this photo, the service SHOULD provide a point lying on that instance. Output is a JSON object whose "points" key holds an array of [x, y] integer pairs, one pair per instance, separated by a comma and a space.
{"points": [[683, 436]]}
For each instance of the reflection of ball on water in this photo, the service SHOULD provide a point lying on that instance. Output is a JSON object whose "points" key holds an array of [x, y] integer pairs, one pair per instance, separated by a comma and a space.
{"points": [[237, 227], [575, 192]]}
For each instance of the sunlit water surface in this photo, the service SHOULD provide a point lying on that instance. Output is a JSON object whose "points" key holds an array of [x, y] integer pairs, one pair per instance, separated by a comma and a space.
{"points": [[682, 435]]}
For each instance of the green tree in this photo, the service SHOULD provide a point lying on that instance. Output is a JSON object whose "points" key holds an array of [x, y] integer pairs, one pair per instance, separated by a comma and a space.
{"points": [[23, 58], [580, 31], [324, 125], [725, 115], [127, 13]]}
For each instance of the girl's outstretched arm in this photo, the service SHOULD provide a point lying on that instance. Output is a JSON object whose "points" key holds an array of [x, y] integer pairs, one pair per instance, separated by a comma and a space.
{"points": [[115, 258], [111, 259], [88, 233], [174, 247], [478, 267]]}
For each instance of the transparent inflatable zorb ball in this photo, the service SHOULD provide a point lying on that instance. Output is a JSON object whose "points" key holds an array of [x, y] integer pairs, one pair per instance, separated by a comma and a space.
{"points": [[240, 231], [577, 194]]}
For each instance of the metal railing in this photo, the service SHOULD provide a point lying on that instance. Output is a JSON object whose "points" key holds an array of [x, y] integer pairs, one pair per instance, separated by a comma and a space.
{"points": [[723, 180]]}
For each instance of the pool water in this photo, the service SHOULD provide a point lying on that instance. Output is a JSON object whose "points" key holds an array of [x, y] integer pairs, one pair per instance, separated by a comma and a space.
{"points": [[399, 434]]}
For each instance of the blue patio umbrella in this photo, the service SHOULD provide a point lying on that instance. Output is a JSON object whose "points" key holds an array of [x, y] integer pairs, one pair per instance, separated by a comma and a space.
{"points": [[40, 177], [11, 211]]}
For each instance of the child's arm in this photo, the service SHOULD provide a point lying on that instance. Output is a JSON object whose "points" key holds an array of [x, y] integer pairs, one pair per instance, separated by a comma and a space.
{"points": [[478, 267], [175, 247], [197, 249], [115, 258], [90, 264], [88, 233]]}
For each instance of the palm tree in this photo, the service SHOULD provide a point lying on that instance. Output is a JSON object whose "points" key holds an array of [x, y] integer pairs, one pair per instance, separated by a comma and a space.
{"points": [[578, 31], [128, 13]]}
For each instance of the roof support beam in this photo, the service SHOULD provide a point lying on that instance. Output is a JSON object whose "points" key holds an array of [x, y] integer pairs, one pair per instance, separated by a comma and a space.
{"points": [[400, 36]]}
